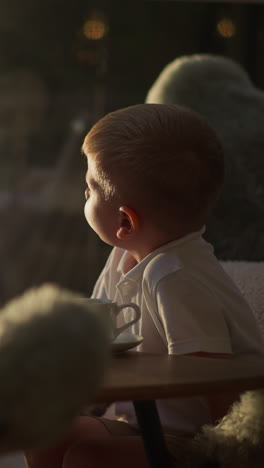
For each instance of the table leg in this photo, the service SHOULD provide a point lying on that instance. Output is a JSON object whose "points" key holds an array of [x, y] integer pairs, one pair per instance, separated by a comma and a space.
{"points": [[152, 434]]}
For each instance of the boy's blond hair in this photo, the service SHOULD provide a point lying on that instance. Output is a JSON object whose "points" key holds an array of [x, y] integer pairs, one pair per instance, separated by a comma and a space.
{"points": [[165, 158]]}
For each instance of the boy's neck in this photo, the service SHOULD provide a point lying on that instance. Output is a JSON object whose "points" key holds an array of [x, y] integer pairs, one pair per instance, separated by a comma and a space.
{"points": [[147, 244]]}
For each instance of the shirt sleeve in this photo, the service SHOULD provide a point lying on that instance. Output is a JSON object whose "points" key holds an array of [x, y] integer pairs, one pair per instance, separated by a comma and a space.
{"points": [[191, 316]]}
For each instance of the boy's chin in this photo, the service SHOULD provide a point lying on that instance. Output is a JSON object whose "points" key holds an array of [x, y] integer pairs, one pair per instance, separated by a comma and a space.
{"points": [[104, 236], [107, 238]]}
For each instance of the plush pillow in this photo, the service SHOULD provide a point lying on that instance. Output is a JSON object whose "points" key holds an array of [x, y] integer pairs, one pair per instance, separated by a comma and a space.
{"points": [[221, 90], [53, 353], [249, 277], [237, 441]]}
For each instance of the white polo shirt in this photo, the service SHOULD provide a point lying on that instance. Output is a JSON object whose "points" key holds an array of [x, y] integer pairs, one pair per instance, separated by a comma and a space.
{"points": [[188, 304]]}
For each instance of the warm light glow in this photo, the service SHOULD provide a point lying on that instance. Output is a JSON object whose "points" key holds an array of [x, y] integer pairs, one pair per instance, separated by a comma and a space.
{"points": [[95, 29], [226, 28]]}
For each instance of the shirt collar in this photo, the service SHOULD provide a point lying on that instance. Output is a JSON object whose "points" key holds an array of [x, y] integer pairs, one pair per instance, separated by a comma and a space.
{"points": [[138, 269]]}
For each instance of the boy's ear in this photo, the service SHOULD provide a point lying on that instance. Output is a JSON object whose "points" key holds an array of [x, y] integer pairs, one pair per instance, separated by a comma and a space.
{"points": [[128, 223]]}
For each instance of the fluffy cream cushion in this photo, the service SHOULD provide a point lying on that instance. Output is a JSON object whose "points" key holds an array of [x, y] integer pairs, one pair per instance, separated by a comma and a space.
{"points": [[221, 90], [249, 277], [236, 442], [53, 352]]}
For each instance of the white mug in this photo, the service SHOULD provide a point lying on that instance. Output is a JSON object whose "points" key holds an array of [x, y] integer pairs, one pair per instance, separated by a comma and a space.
{"points": [[108, 312]]}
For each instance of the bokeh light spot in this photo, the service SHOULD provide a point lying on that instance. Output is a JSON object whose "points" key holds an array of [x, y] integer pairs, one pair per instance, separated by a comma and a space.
{"points": [[226, 28], [94, 29]]}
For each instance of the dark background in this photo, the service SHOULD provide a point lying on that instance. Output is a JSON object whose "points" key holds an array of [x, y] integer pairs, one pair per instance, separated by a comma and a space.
{"points": [[46, 38], [55, 82]]}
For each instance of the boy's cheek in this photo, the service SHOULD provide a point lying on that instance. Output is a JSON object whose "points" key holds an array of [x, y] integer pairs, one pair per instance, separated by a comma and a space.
{"points": [[90, 215], [87, 212], [85, 209]]}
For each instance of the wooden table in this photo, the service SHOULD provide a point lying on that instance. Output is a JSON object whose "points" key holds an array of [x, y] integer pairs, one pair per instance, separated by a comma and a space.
{"points": [[144, 378]]}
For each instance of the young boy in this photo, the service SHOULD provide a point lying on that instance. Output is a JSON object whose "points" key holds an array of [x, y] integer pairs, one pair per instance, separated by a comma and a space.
{"points": [[154, 174]]}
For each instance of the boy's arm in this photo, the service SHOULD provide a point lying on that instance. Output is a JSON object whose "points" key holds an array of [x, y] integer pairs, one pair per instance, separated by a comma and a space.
{"points": [[189, 317], [194, 326]]}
